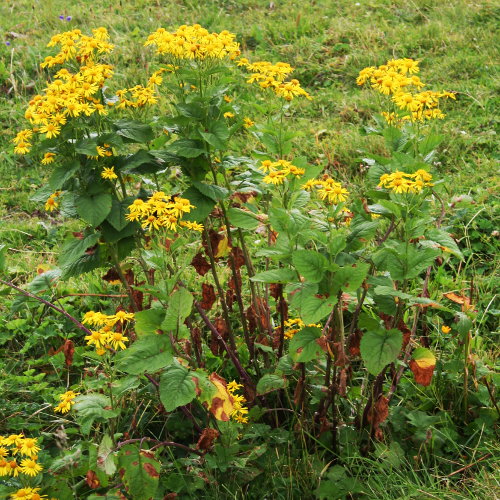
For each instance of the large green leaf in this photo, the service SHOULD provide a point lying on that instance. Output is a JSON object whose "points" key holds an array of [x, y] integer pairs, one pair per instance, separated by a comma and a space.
{"points": [[313, 309], [62, 173], [148, 321], [119, 209], [304, 345], [444, 239], [177, 387], [275, 276], [179, 308], [379, 348], [141, 472], [92, 407], [134, 131], [242, 218], [147, 354], [270, 382], [187, 148], [350, 278], [215, 193], [203, 205], [310, 264], [93, 208]]}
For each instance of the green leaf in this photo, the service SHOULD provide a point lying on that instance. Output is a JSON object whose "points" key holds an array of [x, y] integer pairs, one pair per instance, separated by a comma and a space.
{"points": [[75, 247], [105, 457], [275, 276], [141, 162], [270, 382], [190, 110], [92, 407], [214, 141], [44, 281], [242, 218], [177, 387], [350, 278], [134, 131], [304, 346], [149, 321], [310, 264], [313, 309], [87, 146], [141, 472], [179, 308], [429, 143], [62, 173], [94, 208], [215, 193], [445, 240], [119, 209], [379, 348], [187, 148], [464, 323], [147, 354], [203, 205]]}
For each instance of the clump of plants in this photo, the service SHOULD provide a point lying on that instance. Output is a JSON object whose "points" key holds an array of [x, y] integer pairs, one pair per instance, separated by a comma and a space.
{"points": [[260, 295]]}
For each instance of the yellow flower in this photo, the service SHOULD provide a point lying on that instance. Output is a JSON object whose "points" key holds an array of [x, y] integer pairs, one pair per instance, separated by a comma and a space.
{"points": [[22, 148], [109, 173], [50, 130], [30, 467], [194, 226], [48, 158], [247, 122], [117, 340], [97, 338], [445, 329], [29, 447], [233, 386], [120, 317], [228, 114], [274, 177]]}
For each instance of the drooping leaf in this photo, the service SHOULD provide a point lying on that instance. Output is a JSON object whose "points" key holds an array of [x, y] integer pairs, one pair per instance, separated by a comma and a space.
{"points": [[147, 354], [177, 387], [93, 208], [119, 209], [310, 264], [379, 348], [242, 218], [203, 205], [221, 404], [304, 345], [141, 471], [147, 322], [275, 276], [134, 131], [270, 382], [422, 365], [179, 308], [105, 456]]}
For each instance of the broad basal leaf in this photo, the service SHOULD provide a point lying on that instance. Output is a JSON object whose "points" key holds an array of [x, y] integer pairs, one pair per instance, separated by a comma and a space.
{"points": [[93, 208], [177, 387], [310, 264], [379, 348], [304, 345]]}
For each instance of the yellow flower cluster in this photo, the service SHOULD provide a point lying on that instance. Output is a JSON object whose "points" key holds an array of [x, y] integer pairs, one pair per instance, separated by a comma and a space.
{"points": [[51, 204], [294, 326], [75, 45], [66, 401], [273, 76], [73, 94], [278, 171], [240, 412], [327, 189], [105, 338], [27, 494], [396, 78], [194, 42], [162, 210], [12, 449], [401, 182]]}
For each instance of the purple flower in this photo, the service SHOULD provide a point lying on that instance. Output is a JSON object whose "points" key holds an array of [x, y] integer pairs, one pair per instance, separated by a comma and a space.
{"points": [[61, 17], [69, 18], [7, 43]]}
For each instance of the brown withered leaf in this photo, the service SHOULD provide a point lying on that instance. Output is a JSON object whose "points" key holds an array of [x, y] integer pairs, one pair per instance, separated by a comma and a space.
{"points": [[112, 277], [342, 385], [232, 282], [275, 290], [244, 197], [322, 342], [150, 470], [69, 351], [208, 296], [340, 357], [207, 438], [354, 341], [238, 257], [378, 413], [92, 480], [201, 264], [423, 376]]}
